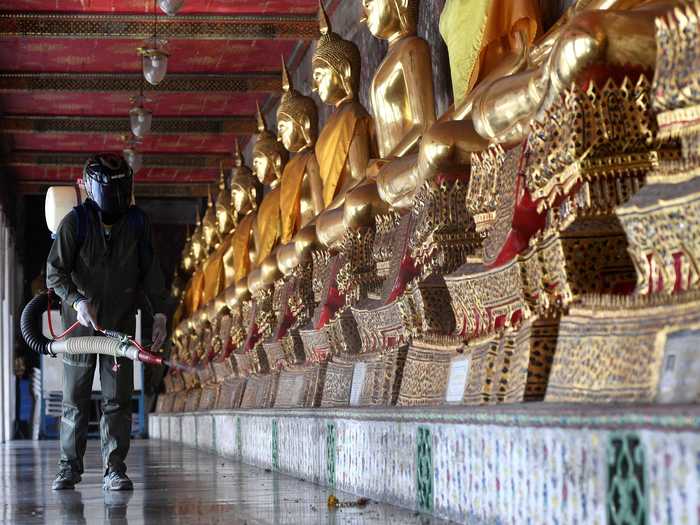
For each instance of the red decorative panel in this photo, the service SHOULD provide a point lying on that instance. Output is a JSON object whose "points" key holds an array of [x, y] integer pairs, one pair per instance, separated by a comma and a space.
{"points": [[146, 6], [66, 55], [117, 103], [185, 143]]}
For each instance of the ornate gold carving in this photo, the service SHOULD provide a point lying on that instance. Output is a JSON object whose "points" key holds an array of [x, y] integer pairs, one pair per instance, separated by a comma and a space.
{"points": [[662, 223], [485, 300], [338, 381], [602, 132], [676, 84], [444, 232], [611, 348], [426, 373], [231, 393]]}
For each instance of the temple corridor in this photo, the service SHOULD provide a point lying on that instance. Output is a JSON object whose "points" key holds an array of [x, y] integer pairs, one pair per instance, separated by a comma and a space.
{"points": [[172, 484]]}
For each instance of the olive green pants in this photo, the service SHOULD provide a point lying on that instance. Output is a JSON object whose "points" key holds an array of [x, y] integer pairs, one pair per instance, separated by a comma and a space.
{"points": [[115, 424]]}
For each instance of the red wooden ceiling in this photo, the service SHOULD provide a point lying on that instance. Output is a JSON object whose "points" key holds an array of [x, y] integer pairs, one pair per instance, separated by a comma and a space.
{"points": [[236, 7], [43, 53]]}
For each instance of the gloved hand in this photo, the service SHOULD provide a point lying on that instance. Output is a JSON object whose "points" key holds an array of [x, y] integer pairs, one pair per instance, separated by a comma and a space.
{"points": [[159, 331], [87, 314]]}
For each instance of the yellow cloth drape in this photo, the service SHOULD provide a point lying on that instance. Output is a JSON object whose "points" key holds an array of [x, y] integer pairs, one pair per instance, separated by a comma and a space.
{"points": [[241, 246], [268, 225], [333, 145], [290, 195], [213, 275], [228, 262], [193, 295], [479, 33]]}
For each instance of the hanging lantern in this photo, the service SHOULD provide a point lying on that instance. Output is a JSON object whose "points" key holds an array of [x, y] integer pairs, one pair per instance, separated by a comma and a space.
{"points": [[133, 158], [155, 63], [140, 119], [170, 7]]}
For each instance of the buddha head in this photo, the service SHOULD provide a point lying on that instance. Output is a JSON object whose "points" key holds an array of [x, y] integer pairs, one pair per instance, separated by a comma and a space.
{"points": [[243, 187], [335, 64], [387, 18], [297, 117], [209, 227], [269, 156], [225, 221]]}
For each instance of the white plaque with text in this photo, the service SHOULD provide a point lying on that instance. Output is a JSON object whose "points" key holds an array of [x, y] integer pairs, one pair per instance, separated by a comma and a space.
{"points": [[459, 374], [358, 381]]}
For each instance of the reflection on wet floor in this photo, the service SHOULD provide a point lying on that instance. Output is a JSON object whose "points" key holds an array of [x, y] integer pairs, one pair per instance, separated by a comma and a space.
{"points": [[173, 484]]}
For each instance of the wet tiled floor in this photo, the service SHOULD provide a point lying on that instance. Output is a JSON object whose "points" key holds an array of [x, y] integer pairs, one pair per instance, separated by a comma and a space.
{"points": [[173, 484]]}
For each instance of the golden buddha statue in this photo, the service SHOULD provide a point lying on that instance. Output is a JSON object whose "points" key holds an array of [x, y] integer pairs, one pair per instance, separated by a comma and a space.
{"points": [[485, 40], [269, 161], [244, 203], [301, 188], [344, 146], [402, 87], [210, 231], [514, 79], [225, 218], [187, 260], [197, 244]]}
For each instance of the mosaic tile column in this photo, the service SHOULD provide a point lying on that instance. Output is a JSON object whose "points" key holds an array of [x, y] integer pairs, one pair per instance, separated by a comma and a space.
{"points": [[424, 469]]}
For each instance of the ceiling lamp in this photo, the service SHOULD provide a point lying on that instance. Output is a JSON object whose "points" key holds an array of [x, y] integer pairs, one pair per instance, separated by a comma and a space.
{"points": [[155, 61], [139, 117], [154, 57], [133, 158], [170, 7]]}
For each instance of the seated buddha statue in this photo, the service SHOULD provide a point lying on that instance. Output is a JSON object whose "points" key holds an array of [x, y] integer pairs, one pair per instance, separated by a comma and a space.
{"points": [[301, 188], [193, 293], [345, 145], [402, 100], [210, 232], [239, 206], [485, 40], [244, 202], [512, 82], [269, 161]]}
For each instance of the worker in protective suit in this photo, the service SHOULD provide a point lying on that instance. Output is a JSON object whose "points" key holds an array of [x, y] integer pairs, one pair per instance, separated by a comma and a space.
{"points": [[101, 259]]}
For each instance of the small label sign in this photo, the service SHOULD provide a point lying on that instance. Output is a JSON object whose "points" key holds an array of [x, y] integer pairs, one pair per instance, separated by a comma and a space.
{"points": [[459, 374], [358, 381]]}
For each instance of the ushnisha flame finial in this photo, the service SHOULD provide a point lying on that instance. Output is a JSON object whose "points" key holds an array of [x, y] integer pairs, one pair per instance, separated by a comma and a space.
{"points": [[262, 127], [286, 80], [324, 23], [237, 155]]}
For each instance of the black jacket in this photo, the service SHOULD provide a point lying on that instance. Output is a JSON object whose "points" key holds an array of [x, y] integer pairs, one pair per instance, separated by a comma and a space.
{"points": [[108, 272]]}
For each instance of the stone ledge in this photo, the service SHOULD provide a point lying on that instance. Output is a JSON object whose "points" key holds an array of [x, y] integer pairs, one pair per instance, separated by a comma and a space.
{"points": [[538, 462]]}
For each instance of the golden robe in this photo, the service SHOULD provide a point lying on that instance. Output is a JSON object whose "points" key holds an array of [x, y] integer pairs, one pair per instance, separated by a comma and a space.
{"points": [[268, 225], [214, 278], [240, 245], [193, 295], [290, 195], [479, 33], [333, 145]]}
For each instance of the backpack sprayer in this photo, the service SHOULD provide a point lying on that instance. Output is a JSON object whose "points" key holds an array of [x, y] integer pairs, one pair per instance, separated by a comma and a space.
{"points": [[114, 343]]}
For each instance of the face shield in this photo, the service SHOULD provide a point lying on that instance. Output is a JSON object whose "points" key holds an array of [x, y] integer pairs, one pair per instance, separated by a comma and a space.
{"points": [[108, 182]]}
